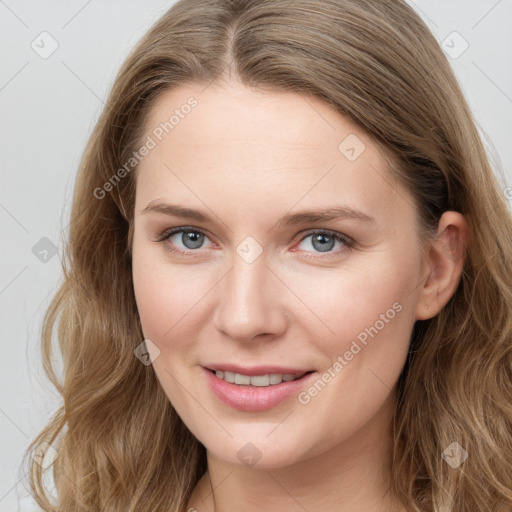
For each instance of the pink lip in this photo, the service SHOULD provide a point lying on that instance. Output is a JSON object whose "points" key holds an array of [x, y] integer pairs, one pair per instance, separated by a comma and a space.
{"points": [[255, 370], [253, 398]]}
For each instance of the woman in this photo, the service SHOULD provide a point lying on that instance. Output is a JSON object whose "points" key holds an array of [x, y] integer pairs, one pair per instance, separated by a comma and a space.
{"points": [[288, 283]]}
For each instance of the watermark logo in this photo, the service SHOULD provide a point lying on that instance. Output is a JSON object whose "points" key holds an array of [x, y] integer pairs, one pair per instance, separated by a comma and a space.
{"points": [[454, 45], [44, 455], [249, 249], [351, 147], [44, 250], [249, 455], [454, 455], [44, 45], [147, 352]]}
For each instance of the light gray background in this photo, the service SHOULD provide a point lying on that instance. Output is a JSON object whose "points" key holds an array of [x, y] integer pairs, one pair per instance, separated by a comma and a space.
{"points": [[48, 107]]}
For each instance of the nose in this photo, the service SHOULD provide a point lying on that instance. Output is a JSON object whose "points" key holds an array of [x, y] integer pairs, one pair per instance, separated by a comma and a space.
{"points": [[249, 301]]}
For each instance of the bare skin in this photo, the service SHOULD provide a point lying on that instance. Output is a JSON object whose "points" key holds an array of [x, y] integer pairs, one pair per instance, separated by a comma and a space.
{"points": [[246, 158]]}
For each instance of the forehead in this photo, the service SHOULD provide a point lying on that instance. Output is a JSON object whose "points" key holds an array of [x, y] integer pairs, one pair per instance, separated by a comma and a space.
{"points": [[287, 123], [237, 143]]}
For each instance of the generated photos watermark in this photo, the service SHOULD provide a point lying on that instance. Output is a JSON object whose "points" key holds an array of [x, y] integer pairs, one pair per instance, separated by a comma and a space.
{"points": [[149, 144], [342, 361]]}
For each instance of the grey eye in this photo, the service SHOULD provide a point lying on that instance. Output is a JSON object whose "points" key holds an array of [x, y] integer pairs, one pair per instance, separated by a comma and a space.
{"points": [[322, 242], [191, 239]]}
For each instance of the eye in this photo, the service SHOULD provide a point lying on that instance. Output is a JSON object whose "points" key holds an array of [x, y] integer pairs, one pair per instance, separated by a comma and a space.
{"points": [[187, 240], [190, 239], [323, 241]]}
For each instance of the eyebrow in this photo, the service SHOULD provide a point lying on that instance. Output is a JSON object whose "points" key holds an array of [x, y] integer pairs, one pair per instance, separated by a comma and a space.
{"points": [[290, 218]]}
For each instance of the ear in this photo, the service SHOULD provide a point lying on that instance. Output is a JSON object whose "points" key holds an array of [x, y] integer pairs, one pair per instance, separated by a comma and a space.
{"points": [[444, 259]]}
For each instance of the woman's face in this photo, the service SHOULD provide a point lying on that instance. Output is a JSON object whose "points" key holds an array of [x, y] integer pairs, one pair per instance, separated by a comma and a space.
{"points": [[297, 253]]}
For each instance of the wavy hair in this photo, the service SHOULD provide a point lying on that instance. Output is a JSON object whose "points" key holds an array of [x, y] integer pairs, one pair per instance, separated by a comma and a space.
{"points": [[121, 446]]}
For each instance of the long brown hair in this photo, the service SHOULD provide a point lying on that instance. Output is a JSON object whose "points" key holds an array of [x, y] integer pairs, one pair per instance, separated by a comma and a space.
{"points": [[121, 446]]}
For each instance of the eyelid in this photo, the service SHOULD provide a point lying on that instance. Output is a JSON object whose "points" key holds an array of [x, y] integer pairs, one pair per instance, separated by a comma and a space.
{"points": [[335, 234], [166, 233]]}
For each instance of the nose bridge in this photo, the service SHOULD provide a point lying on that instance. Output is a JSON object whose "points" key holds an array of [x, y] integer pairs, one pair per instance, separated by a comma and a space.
{"points": [[247, 304]]}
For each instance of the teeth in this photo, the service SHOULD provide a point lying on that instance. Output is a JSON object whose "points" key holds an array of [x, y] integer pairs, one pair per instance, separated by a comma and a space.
{"points": [[256, 380], [260, 380], [275, 378], [242, 379]]}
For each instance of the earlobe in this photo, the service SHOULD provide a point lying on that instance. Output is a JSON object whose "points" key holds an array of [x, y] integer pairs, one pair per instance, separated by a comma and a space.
{"points": [[445, 260]]}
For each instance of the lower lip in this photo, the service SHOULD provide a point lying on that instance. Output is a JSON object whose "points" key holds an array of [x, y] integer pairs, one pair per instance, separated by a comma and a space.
{"points": [[254, 398]]}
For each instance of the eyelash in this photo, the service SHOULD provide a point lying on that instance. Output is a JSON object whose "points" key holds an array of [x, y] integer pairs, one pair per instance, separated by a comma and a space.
{"points": [[347, 241]]}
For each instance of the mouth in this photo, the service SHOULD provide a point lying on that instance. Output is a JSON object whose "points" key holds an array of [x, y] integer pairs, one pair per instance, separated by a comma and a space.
{"points": [[262, 380], [263, 389]]}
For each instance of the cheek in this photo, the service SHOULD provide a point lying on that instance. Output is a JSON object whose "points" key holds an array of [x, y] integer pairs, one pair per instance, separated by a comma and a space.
{"points": [[169, 299], [364, 302]]}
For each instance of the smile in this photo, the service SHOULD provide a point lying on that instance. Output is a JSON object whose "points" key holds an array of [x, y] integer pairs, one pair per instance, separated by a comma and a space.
{"points": [[257, 392], [271, 379]]}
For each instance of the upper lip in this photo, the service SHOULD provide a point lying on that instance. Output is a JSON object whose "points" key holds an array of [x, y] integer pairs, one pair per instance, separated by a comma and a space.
{"points": [[255, 370]]}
